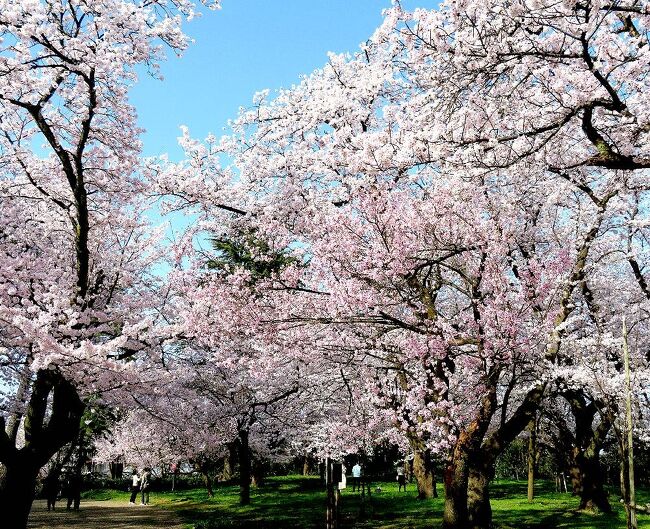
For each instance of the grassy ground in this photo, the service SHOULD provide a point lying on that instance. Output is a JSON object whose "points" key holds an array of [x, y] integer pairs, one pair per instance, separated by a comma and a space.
{"points": [[294, 502]]}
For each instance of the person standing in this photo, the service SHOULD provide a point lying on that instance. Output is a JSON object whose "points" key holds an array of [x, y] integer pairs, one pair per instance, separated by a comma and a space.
{"points": [[356, 477], [74, 489], [135, 486], [145, 484], [51, 489], [401, 479]]}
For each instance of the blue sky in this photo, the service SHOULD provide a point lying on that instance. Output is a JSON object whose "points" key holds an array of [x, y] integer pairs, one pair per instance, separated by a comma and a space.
{"points": [[245, 47]]}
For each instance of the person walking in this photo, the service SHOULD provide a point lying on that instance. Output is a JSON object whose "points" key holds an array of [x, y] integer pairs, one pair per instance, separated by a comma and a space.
{"points": [[145, 485], [135, 486]]}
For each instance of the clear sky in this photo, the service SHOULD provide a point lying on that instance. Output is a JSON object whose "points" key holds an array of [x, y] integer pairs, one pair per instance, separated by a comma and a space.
{"points": [[245, 47]]}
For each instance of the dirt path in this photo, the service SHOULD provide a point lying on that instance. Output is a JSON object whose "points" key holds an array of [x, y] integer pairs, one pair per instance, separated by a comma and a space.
{"points": [[103, 515]]}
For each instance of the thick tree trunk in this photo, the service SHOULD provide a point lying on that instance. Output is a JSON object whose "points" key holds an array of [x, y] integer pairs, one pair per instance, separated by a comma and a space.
{"points": [[423, 471], [455, 514], [590, 485], [229, 462], [586, 474], [117, 469], [257, 473], [43, 438], [17, 493], [478, 497], [457, 474], [307, 465], [574, 475], [207, 481], [244, 468]]}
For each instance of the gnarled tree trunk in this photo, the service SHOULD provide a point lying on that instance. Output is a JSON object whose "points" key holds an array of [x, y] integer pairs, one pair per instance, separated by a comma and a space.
{"points": [[17, 492], [457, 475], [586, 473], [424, 473], [422, 468], [478, 499], [588, 483], [229, 462], [455, 514], [42, 440]]}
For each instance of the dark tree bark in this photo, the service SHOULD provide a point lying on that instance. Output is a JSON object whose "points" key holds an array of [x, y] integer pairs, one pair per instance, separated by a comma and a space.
{"points": [[17, 492], [117, 469], [244, 468], [593, 496], [257, 472], [482, 458], [466, 453], [455, 514], [586, 474], [478, 495], [43, 438], [423, 469]]}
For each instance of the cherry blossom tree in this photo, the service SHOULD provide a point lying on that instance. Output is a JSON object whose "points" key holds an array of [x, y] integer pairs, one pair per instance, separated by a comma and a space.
{"points": [[257, 388], [465, 191], [75, 247]]}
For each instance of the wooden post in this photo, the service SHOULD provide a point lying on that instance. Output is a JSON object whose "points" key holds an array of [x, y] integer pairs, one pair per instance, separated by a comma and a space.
{"points": [[631, 507]]}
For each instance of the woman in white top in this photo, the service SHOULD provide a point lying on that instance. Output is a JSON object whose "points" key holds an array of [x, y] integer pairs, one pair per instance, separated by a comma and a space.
{"points": [[135, 486]]}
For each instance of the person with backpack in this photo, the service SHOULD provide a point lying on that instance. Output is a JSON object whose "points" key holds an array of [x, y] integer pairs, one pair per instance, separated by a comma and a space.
{"points": [[145, 485]]}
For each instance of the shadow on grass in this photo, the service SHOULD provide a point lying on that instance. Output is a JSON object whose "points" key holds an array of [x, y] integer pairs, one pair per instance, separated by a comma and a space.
{"points": [[549, 509], [296, 502], [550, 518], [514, 489]]}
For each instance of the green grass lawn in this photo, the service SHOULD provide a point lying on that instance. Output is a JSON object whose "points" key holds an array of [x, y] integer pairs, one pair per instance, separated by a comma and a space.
{"points": [[293, 502]]}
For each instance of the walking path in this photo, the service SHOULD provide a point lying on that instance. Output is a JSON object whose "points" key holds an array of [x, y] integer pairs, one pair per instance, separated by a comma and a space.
{"points": [[103, 515]]}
